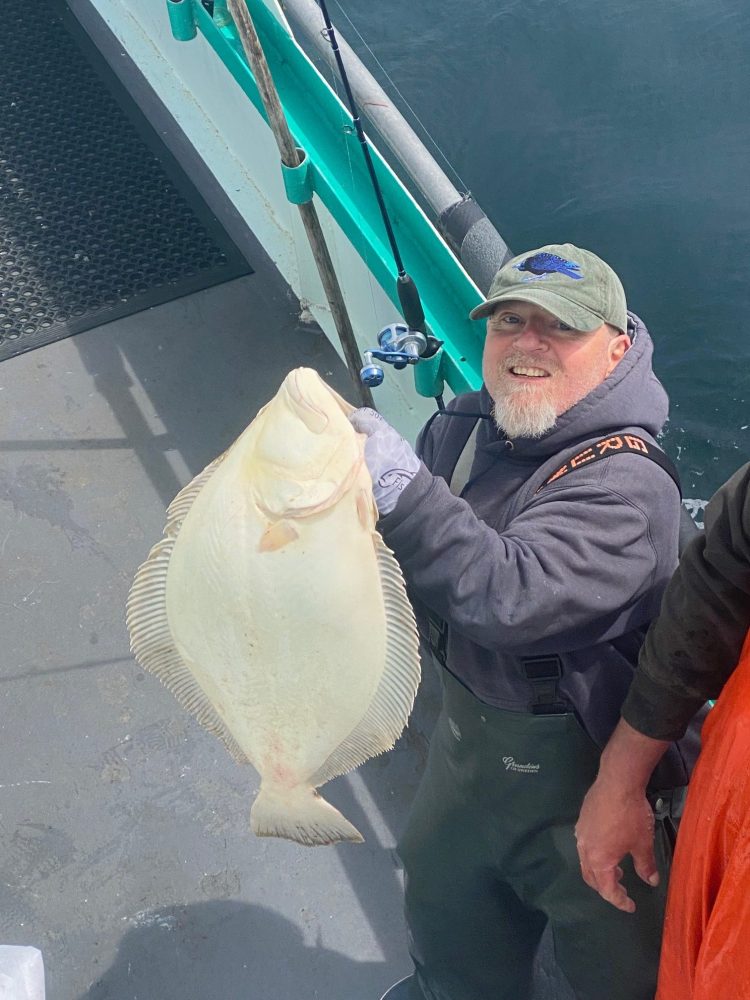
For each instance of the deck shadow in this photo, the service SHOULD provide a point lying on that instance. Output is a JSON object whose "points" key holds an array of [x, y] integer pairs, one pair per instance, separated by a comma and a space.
{"points": [[219, 950]]}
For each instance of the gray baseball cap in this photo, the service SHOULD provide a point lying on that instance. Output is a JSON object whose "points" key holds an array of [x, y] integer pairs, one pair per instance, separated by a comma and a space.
{"points": [[573, 284]]}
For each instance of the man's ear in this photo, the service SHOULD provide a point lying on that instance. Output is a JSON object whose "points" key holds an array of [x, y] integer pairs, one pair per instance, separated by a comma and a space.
{"points": [[618, 347]]}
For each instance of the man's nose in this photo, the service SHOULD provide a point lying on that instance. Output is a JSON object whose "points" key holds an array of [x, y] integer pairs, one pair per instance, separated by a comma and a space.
{"points": [[531, 338]]}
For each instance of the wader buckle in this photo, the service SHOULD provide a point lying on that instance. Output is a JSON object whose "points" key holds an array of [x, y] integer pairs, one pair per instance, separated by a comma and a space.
{"points": [[669, 803], [543, 674], [437, 638]]}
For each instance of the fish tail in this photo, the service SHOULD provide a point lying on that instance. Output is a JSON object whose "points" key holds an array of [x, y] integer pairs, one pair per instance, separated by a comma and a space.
{"points": [[300, 814]]}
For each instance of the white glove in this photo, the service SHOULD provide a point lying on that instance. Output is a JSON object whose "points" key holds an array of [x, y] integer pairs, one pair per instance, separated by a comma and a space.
{"points": [[391, 461]]}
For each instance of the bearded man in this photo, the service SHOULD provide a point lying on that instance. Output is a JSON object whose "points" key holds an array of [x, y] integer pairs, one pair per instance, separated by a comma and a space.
{"points": [[537, 523]]}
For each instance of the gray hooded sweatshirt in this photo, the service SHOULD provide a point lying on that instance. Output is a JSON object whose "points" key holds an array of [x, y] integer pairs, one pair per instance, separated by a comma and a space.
{"points": [[576, 570]]}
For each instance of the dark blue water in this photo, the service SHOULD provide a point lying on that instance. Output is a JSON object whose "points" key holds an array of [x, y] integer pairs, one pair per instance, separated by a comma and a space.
{"points": [[623, 128]]}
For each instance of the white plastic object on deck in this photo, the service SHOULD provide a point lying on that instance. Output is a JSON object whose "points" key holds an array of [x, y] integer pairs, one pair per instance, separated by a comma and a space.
{"points": [[21, 973]]}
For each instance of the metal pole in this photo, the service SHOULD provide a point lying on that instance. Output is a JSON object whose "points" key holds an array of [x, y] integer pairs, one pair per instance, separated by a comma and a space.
{"points": [[290, 156]]}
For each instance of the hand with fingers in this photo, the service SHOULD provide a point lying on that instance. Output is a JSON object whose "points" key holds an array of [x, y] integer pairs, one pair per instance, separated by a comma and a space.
{"points": [[390, 459], [615, 821]]}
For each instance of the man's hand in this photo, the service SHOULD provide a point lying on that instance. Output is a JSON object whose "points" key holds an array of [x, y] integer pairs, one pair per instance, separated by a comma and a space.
{"points": [[616, 818], [613, 823], [390, 460]]}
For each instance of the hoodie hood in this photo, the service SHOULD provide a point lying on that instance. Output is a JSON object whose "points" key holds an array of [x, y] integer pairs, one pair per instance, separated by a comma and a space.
{"points": [[631, 396]]}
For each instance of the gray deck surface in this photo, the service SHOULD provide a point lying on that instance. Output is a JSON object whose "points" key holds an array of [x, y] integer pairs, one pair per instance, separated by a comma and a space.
{"points": [[125, 849]]}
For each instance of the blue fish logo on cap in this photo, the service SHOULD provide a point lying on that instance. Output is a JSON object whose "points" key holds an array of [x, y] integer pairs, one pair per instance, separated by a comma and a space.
{"points": [[541, 264]]}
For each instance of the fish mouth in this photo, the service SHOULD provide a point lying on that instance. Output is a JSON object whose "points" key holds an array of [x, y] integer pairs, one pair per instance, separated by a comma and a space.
{"points": [[298, 386]]}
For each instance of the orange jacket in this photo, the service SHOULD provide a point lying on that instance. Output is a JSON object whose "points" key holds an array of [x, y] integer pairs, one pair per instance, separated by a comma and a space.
{"points": [[706, 947]]}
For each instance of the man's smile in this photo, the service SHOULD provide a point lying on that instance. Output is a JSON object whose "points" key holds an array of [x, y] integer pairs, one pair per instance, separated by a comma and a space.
{"points": [[527, 372]]}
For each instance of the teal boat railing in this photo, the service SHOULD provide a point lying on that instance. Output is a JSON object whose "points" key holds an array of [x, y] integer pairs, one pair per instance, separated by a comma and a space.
{"points": [[324, 129]]}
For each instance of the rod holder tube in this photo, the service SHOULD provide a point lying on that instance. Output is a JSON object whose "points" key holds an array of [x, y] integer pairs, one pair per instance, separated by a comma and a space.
{"points": [[428, 378], [299, 180], [182, 19]]}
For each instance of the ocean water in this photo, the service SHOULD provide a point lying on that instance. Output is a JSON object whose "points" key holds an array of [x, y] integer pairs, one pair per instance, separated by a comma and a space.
{"points": [[619, 127]]}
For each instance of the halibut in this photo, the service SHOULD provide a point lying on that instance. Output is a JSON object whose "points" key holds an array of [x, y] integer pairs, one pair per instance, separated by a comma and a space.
{"points": [[275, 613]]}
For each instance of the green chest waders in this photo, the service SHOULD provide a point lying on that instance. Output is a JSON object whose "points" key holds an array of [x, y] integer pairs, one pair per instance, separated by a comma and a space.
{"points": [[490, 859]]}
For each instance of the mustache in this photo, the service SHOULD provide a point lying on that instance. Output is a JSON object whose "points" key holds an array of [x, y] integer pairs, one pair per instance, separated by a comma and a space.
{"points": [[520, 360]]}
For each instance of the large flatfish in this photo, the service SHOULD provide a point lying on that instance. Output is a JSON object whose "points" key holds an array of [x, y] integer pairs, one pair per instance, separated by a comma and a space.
{"points": [[274, 612]]}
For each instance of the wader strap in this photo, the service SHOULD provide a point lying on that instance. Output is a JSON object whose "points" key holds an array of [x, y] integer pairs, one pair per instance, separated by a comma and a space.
{"points": [[543, 674], [437, 629], [462, 469]]}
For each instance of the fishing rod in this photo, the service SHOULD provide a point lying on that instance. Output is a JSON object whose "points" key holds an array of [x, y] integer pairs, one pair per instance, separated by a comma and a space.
{"points": [[399, 345]]}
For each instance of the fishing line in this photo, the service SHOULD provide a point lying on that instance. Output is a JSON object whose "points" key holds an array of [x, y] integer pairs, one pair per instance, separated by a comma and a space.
{"points": [[425, 131]]}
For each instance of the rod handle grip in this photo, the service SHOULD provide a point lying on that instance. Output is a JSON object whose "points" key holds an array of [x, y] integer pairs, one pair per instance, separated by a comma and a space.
{"points": [[411, 304]]}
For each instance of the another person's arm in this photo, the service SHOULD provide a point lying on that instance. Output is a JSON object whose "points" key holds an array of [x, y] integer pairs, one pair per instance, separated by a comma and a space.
{"points": [[689, 653]]}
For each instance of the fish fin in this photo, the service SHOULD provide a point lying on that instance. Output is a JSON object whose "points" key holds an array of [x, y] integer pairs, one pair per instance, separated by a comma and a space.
{"points": [[388, 712], [178, 509], [153, 647], [300, 814], [277, 535]]}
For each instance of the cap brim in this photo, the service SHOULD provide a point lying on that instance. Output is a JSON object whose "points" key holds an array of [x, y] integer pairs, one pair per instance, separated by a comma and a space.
{"points": [[570, 313]]}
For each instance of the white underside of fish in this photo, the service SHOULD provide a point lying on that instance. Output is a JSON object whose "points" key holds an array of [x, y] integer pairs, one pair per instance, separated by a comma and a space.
{"points": [[286, 632]]}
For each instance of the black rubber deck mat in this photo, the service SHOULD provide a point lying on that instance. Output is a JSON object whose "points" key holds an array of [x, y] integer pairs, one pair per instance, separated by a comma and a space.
{"points": [[97, 221]]}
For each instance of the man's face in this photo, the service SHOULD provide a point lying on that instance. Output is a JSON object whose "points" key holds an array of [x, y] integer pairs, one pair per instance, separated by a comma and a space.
{"points": [[536, 368]]}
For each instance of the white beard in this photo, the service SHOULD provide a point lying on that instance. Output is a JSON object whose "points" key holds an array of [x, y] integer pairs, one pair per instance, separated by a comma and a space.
{"points": [[524, 413]]}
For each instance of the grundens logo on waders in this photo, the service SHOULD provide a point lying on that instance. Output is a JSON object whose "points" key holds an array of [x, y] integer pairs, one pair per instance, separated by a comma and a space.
{"points": [[511, 765]]}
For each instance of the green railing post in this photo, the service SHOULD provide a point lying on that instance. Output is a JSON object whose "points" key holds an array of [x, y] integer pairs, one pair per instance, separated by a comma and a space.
{"points": [[182, 19]]}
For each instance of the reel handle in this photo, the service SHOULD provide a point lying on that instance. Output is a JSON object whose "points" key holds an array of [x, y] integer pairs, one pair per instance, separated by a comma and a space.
{"points": [[399, 345]]}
